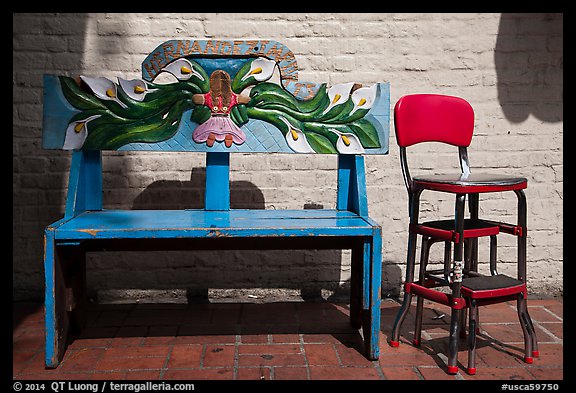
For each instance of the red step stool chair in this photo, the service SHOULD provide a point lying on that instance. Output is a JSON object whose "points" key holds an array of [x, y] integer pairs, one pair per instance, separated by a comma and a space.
{"points": [[439, 118]]}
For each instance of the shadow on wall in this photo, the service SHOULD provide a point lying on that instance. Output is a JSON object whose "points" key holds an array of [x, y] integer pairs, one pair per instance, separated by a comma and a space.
{"points": [[392, 279], [40, 176], [175, 194], [161, 275], [529, 66]]}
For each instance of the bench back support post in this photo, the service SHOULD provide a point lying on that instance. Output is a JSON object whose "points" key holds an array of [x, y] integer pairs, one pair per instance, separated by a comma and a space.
{"points": [[84, 183], [217, 196], [352, 184]]}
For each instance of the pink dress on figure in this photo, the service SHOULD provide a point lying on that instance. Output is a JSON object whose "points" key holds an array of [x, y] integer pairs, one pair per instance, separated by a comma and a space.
{"points": [[219, 124]]}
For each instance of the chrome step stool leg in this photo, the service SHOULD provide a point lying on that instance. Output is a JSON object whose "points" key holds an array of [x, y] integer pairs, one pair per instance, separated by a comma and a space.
{"points": [[473, 207], [452, 366], [530, 341], [473, 320], [395, 337], [410, 264], [424, 255], [467, 267]]}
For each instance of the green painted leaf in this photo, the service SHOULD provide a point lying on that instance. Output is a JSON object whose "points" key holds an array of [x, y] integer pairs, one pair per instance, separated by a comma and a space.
{"points": [[366, 132], [237, 116], [323, 129], [237, 83], [336, 113], [234, 115], [139, 110], [274, 117], [104, 133], [77, 97], [267, 94], [200, 114], [320, 143], [203, 84], [243, 113]]}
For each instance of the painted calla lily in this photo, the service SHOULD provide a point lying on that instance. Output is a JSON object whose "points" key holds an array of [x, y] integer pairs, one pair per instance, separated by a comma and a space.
{"points": [[135, 88], [103, 88], [261, 69], [296, 139], [182, 69], [338, 94], [76, 133], [364, 98], [348, 143]]}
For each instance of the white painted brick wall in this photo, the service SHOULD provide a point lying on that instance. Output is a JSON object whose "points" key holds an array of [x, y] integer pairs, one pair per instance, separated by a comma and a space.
{"points": [[508, 66]]}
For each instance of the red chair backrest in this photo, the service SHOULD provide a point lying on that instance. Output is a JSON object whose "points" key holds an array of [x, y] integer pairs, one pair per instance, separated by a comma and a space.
{"points": [[433, 118]]}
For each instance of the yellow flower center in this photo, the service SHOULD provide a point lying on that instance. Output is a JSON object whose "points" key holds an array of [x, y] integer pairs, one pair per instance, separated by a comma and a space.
{"points": [[78, 127], [336, 98], [185, 70], [345, 140], [139, 89], [362, 102], [294, 135], [110, 93], [256, 71]]}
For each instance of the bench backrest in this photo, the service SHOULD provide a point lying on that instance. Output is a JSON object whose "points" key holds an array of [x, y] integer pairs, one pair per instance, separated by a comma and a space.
{"points": [[226, 96]]}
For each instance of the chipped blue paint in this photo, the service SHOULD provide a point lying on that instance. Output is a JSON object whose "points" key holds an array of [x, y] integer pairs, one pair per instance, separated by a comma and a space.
{"points": [[51, 346], [379, 116], [50, 320], [142, 224], [217, 196], [375, 293], [84, 183], [56, 114], [352, 185], [367, 271], [85, 218]]}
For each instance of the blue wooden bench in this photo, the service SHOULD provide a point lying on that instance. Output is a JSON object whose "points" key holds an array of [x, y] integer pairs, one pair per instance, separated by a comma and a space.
{"points": [[223, 100]]}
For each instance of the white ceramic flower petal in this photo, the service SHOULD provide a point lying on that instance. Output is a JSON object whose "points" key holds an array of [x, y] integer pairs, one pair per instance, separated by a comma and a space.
{"points": [[134, 88], [182, 69], [103, 88], [261, 69], [296, 139], [347, 143], [338, 94], [300, 144], [76, 133], [364, 98]]}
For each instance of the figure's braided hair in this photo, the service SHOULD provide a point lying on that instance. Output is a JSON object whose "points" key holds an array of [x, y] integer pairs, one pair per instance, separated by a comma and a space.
{"points": [[220, 86]]}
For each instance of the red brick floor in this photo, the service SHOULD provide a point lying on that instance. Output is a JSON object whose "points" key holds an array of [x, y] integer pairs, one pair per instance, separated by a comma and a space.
{"points": [[289, 340]]}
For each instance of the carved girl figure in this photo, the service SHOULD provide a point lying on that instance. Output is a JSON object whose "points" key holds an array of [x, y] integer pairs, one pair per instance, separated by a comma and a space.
{"points": [[220, 99]]}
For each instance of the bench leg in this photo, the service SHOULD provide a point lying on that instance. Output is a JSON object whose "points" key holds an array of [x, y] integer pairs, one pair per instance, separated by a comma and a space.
{"points": [[356, 286], [373, 282], [65, 294]]}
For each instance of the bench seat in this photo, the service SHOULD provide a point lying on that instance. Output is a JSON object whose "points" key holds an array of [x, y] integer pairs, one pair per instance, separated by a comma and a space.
{"points": [[143, 224]]}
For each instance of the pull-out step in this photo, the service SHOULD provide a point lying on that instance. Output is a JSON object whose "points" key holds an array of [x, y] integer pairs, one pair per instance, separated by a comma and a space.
{"points": [[491, 286]]}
